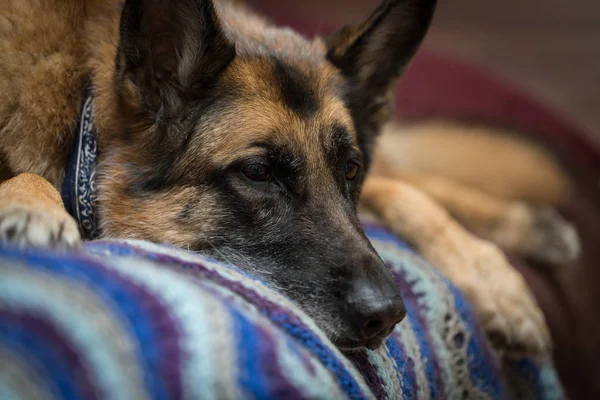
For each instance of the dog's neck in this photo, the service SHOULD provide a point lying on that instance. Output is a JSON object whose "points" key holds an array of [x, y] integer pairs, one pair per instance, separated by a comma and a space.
{"points": [[78, 187]]}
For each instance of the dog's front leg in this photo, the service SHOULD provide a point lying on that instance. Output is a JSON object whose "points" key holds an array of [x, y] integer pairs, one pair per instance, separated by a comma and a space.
{"points": [[536, 233], [502, 301], [32, 214]]}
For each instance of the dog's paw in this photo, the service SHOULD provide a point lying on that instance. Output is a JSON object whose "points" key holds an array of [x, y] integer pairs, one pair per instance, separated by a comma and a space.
{"points": [[551, 238], [539, 234], [500, 297], [24, 226], [503, 303]]}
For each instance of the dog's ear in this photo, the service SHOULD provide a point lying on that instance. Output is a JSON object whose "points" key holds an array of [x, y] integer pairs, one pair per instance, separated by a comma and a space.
{"points": [[373, 54], [169, 49]]}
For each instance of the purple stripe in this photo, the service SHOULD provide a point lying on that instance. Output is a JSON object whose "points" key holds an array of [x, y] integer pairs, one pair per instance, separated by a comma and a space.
{"points": [[360, 359], [408, 293], [52, 335]]}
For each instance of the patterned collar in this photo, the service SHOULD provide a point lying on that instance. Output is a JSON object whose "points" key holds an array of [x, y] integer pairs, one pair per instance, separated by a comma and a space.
{"points": [[78, 187]]}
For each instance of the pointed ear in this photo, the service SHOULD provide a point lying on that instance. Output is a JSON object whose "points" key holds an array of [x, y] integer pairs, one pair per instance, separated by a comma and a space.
{"points": [[168, 49], [373, 54]]}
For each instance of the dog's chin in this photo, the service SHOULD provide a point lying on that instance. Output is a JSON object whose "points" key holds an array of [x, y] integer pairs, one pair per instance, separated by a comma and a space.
{"points": [[347, 340], [349, 345]]}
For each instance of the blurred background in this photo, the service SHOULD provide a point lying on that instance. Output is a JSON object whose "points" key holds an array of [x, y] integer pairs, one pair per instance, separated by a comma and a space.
{"points": [[550, 48]]}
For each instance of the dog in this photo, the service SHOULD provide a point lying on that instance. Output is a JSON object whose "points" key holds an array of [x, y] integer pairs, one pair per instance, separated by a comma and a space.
{"points": [[223, 134]]}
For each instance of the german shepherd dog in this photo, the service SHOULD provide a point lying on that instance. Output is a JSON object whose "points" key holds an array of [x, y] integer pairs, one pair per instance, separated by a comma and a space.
{"points": [[223, 134]]}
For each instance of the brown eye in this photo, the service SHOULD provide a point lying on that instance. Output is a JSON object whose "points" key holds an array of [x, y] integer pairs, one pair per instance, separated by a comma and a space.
{"points": [[351, 170], [257, 172]]}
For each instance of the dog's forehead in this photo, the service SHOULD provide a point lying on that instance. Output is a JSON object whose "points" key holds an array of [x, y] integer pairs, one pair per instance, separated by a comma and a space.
{"points": [[303, 86], [283, 87], [272, 100]]}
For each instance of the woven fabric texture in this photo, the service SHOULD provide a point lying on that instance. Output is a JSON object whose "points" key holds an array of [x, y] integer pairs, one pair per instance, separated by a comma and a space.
{"points": [[134, 320]]}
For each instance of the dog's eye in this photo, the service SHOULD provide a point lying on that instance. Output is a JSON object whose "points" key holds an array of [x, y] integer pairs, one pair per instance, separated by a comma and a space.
{"points": [[257, 172], [351, 170]]}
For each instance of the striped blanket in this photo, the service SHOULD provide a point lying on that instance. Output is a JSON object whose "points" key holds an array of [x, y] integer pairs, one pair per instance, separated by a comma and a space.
{"points": [[134, 320]]}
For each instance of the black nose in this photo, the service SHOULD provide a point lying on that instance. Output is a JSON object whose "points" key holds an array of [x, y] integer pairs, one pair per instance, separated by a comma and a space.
{"points": [[376, 307]]}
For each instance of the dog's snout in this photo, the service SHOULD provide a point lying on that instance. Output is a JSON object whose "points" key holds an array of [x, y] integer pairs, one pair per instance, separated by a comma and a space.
{"points": [[377, 317], [376, 306]]}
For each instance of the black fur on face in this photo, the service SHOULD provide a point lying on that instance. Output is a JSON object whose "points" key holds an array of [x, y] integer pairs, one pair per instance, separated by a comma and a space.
{"points": [[253, 148]]}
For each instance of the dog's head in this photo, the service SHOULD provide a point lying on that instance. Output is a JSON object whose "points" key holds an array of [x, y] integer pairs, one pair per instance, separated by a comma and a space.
{"points": [[251, 143]]}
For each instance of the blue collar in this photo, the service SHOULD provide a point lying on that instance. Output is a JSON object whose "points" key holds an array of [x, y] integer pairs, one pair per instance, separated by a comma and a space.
{"points": [[78, 187]]}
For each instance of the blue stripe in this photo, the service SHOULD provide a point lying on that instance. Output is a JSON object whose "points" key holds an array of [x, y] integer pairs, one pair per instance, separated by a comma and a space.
{"points": [[33, 343], [249, 343], [74, 268], [407, 384]]}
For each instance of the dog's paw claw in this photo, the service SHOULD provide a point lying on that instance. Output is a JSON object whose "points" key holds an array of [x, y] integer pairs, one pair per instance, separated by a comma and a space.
{"points": [[516, 332], [538, 234], [551, 239], [496, 329], [25, 227]]}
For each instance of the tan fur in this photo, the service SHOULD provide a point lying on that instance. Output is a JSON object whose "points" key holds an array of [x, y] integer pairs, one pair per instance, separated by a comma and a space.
{"points": [[41, 75], [160, 211], [260, 115], [19, 190], [31, 196], [497, 162]]}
